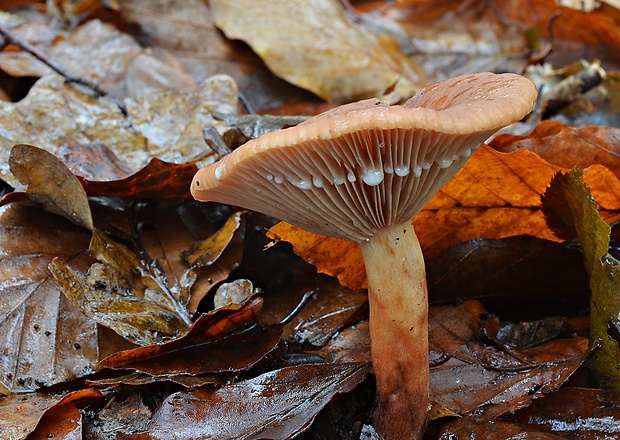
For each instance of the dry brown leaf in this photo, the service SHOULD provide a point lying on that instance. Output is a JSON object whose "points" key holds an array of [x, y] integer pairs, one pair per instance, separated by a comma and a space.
{"points": [[314, 45]]}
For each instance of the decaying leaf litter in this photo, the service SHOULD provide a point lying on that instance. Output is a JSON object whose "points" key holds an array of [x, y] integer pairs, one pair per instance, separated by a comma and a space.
{"points": [[519, 261]]}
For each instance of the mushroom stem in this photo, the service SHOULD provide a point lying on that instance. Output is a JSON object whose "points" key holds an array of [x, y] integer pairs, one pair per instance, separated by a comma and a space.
{"points": [[398, 330]]}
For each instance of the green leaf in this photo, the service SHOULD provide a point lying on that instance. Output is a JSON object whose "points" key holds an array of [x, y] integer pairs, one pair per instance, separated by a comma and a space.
{"points": [[569, 200]]}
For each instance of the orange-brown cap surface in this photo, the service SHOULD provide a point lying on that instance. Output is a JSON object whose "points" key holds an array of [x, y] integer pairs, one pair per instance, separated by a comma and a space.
{"points": [[357, 168]]}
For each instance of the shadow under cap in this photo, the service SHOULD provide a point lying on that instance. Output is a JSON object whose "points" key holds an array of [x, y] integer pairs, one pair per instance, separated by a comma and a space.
{"points": [[360, 167]]}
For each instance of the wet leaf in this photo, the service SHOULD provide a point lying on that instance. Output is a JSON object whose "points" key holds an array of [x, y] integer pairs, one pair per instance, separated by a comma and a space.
{"points": [[570, 413], [471, 428], [64, 419], [278, 404], [467, 374], [479, 40], [20, 414], [350, 345], [107, 299], [327, 311], [227, 339], [124, 293], [235, 292], [209, 250], [576, 34], [332, 256], [573, 413], [47, 340], [99, 52], [165, 125], [92, 162], [157, 180], [188, 32], [316, 46]]}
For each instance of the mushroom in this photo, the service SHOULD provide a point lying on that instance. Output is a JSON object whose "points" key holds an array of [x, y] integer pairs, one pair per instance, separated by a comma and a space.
{"points": [[361, 172]]}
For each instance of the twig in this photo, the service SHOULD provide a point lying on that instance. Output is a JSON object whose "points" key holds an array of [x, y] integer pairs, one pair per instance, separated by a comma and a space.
{"points": [[214, 141], [248, 107], [69, 78]]}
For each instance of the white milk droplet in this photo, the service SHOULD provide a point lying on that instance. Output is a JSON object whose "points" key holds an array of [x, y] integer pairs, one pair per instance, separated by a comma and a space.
{"points": [[388, 169], [351, 177], [269, 177], [301, 184], [338, 180], [278, 179], [317, 182], [401, 170], [467, 153], [427, 165], [372, 176], [445, 163], [221, 169], [417, 171]]}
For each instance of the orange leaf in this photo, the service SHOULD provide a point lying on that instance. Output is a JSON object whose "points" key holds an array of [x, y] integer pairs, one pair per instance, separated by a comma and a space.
{"points": [[567, 146]]}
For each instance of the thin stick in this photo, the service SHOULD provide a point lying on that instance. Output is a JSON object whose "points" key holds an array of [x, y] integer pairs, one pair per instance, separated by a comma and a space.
{"points": [[69, 78]]}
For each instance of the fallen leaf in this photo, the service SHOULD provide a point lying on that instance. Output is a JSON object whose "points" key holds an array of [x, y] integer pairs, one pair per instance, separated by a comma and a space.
{"points": [[227, 339], [187, 31], [50, 181], [278, 404], [576, 34], [469, 375], [570, 197], [326, 312], [97, 51], [47, 340], [567, 146], [569, 413], [164, 125], [316, 46], [125, 414], [469, 427], [157, 180], [108, 299], [21, 413], [332, 256], [448, 39], [573, 413], [508, 275], [92, 162]]}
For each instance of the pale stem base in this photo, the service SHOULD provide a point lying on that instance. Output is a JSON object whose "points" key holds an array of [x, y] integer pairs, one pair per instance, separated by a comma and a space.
{"points": [[398, 330]]}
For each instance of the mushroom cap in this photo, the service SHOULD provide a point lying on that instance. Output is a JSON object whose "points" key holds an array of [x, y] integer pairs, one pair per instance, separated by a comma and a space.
{"points": [[363, 166]]}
